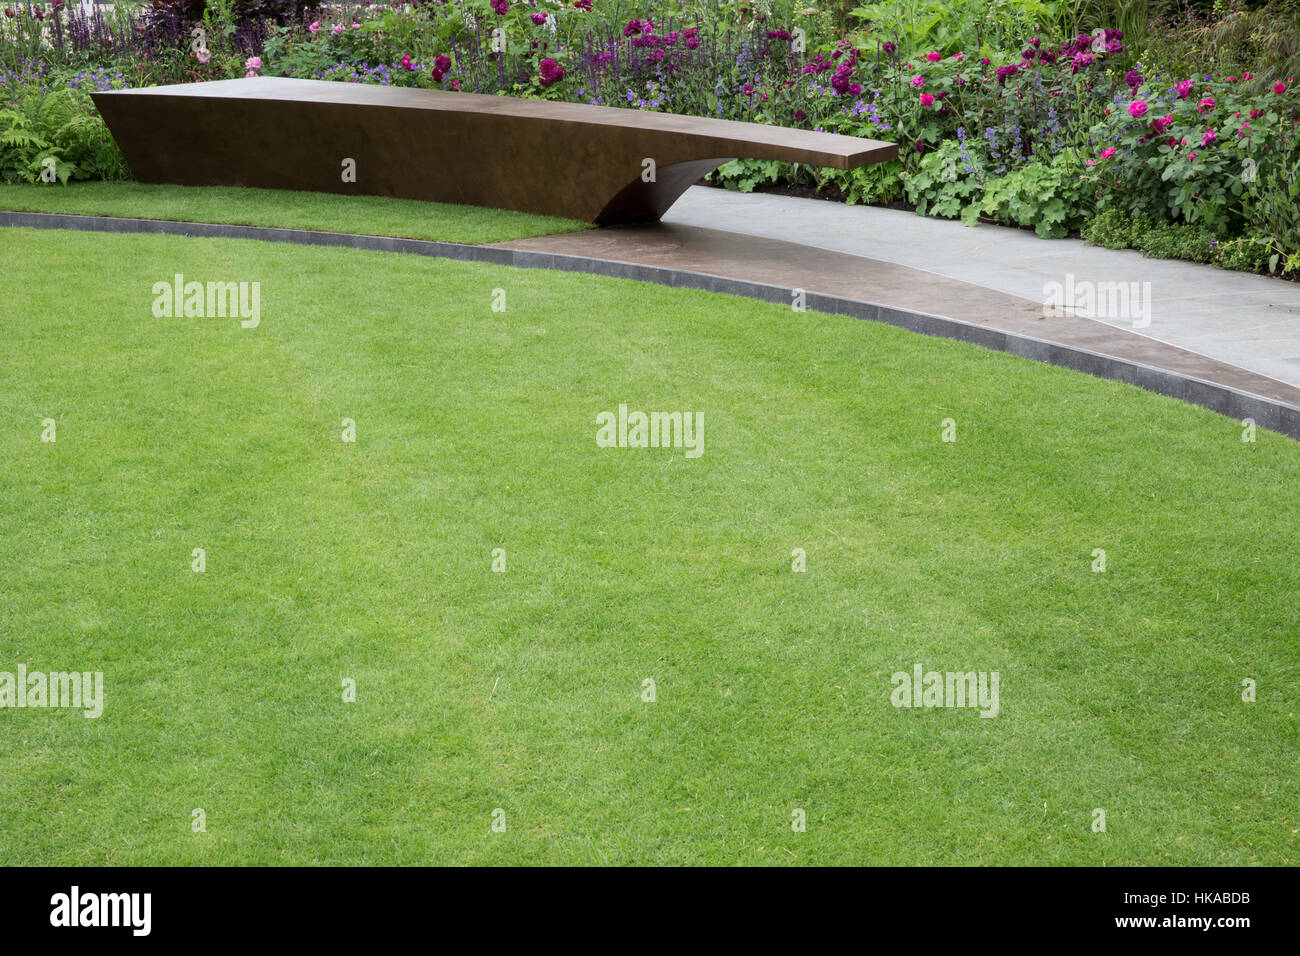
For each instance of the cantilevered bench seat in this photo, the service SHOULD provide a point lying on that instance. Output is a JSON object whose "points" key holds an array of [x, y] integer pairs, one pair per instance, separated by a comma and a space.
{"points": [[562, 159]]}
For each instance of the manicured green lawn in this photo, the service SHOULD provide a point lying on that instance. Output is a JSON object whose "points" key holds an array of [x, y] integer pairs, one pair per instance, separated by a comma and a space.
{"points": [[371, 215], [522, 690]]}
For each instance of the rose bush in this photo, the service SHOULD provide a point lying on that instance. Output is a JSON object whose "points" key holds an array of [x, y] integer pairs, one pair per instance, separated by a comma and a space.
{"points": [[1188, 149]]}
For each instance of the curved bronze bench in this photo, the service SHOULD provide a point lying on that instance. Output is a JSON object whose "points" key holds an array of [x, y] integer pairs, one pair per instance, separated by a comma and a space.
{"points": [[560, 159]]}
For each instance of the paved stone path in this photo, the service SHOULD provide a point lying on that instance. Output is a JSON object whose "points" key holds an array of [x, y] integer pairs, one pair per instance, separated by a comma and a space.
{"points": [[1245, 320]]}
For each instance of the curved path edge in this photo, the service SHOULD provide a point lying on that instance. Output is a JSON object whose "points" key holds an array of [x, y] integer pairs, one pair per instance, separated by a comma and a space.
{"points": [[1269, 413]]}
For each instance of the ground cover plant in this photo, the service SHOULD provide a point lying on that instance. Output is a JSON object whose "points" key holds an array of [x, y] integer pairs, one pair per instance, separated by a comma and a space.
{"points": [[524, 690], [1037, 113]]}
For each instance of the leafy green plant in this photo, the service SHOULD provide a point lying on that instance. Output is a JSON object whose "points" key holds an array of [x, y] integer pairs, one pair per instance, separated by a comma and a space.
{"points": [[1175, 240], [1110, 229], [59, 131], [1219, 40], [1271, 210], [1155, 239], [1051, 198], [746, 175], [1114, 229], [941, 186], [299, 54], [952, 25], [881, 184], [1255, 254], [23, 149]]}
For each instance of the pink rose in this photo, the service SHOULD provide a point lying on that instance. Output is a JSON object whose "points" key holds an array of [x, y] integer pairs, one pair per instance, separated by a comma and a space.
{"points": [[1108, 152], [1137, 109], [927, 99]]}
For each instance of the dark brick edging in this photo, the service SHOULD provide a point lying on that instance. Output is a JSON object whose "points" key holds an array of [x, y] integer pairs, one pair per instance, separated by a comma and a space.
{"points": [[1268, 413]]}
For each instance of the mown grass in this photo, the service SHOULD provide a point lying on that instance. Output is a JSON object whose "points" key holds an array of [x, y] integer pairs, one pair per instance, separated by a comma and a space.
{"points": [[368, 215], [522, 690]]}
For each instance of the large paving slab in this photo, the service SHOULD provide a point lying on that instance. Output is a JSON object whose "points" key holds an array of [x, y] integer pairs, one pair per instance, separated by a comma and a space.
{"points": [[1245, 320]]}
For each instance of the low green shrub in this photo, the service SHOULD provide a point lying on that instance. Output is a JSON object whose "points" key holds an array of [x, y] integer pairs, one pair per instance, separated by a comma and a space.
{"points": [[1271, 210], [1175, 240], [746, 175], [1110, 229], [1051, 198], [1254, 254], [880, 184], [56, 135], [944, 185], [1113, 229]]}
